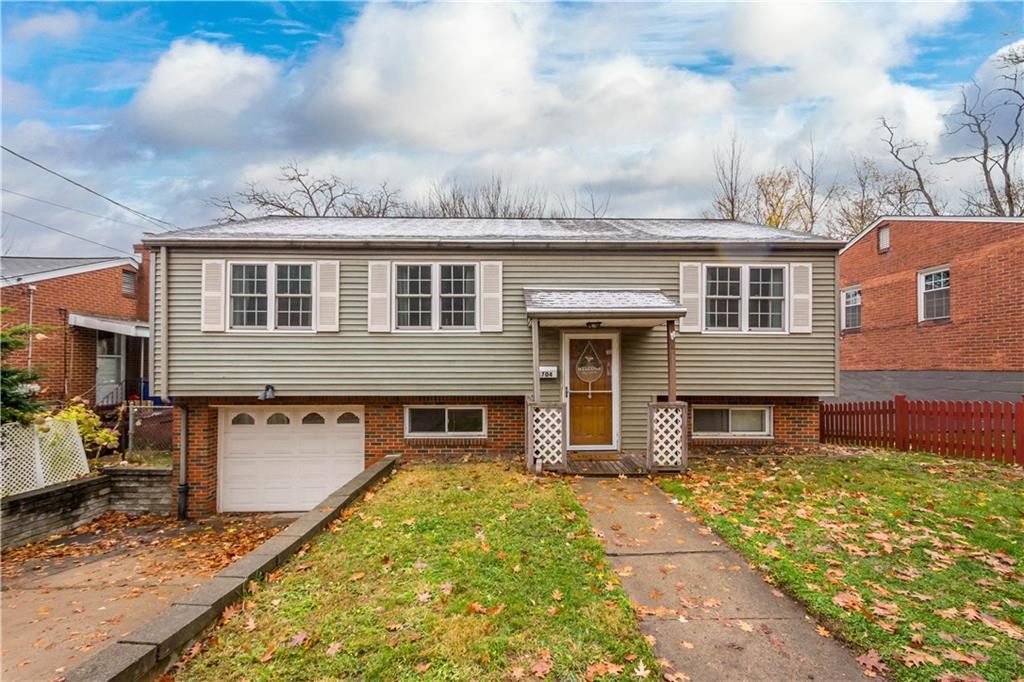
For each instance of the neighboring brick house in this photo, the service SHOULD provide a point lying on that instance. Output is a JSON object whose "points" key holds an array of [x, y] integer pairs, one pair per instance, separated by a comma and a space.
{"points": [[94, 320], [933, 307]]}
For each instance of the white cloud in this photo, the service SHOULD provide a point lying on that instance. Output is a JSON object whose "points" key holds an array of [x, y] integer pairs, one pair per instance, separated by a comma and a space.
{"points": [[200, 93], [61, 25]]}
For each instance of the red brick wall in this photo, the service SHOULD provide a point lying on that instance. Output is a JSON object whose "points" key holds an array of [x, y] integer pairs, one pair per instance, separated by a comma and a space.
{"points": [[385, 424], [795, 420], [986, 328], [67, 356]]}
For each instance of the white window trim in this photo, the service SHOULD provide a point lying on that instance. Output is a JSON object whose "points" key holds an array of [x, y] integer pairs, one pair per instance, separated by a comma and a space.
{"points": [[435, 299], [842, 306], [920, 293], [446, 434], [271, 299], [769, 422], [745, 299]]}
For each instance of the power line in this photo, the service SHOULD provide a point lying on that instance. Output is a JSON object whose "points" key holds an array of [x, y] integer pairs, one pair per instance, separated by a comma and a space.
{"points": [[70, 234], [156, 221], [76, 210]]}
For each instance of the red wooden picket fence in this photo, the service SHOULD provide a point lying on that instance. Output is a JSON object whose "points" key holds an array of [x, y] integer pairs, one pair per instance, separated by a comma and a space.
{"points": [[983, 430]]}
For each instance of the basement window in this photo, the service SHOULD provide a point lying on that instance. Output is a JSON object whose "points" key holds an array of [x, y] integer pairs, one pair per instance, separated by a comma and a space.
{"points": [[441, 421], [732, 421]]}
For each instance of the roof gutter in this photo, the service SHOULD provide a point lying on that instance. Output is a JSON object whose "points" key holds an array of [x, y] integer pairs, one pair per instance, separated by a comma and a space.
{"points": [[525, 245]]}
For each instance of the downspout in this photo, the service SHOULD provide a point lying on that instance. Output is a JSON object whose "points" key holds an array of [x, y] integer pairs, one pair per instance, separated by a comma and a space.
{"points": [[182, 464]]}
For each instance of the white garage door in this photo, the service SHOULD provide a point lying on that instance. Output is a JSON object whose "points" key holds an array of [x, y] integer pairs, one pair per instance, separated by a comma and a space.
{"points": [[287, 458]]}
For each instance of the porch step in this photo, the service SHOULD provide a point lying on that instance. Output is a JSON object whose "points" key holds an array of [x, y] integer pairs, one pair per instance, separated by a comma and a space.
{"points": [[624, 465], [609, 456]]}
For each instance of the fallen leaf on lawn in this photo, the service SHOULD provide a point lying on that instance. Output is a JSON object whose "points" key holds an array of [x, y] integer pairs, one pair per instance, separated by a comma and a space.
{"points": [[947, 613], [541, 668], [356, 576], [423, 597], [959, 677], [913, 658], [333, 649], [298, 639], [953, 655], [268, 655], [557, 595], [423, 667], [850, 601], [872, 663], [446, 588], [822, 631], [641, 670], [250, 624]]}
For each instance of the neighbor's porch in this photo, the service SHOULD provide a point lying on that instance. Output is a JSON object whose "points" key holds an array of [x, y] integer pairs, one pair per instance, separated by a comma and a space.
{"points": [[576, 428]]}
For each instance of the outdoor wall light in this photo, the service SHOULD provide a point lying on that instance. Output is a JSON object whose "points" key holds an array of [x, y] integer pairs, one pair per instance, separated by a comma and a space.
{"points": [[267, 393], [594, 325]]}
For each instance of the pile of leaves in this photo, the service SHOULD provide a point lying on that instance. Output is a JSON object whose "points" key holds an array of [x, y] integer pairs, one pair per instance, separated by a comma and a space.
{"points": [[914, 559], [460, 572], [196, 547]]}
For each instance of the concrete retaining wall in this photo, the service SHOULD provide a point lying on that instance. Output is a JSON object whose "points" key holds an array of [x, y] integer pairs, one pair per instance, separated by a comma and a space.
{"points": [[38, 514]]}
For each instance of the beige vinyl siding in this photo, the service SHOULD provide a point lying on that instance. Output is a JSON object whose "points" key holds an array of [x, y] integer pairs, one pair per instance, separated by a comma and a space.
{"points": [[355, 362]]}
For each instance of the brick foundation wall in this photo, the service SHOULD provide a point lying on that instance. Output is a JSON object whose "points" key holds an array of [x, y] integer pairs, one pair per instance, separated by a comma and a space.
{"points": [[66, 356], [385, 434], [795, 421], [985, 331]]}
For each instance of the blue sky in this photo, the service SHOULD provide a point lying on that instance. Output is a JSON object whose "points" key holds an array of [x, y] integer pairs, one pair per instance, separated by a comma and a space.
{"points": [[162, 105]]}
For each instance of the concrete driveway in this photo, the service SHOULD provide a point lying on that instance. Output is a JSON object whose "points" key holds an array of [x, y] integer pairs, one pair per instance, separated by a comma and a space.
{"points": [[66, 598], [711, 616]]}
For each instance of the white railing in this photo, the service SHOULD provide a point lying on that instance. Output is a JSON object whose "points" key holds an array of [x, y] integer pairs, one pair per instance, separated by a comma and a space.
{"points": [[545, 436], [666, 436], [35, 456]]}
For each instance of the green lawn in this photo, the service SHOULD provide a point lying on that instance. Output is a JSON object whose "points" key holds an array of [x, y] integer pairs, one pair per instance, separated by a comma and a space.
{"points": [[916, 558], [451, 572]]}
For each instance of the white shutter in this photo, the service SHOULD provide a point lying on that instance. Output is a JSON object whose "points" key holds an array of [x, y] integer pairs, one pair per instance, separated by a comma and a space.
{"points": [[211, 315], [801, 293], [378, 296], [690, 296], [490, 296], [327, 295]]}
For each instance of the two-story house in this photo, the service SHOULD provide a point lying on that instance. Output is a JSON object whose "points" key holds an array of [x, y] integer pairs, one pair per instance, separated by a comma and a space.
{"points": [[933, 308], [300, 349], [92, 321]]}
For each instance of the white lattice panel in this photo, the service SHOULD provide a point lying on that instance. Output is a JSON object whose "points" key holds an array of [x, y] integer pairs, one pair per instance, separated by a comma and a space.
{"points": [[667, 436], [547, 435], [37, 456]]}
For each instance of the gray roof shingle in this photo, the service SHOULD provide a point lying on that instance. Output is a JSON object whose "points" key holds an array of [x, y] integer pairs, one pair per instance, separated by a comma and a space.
{"points": [[548, 301], [12, 267], [487, 231]]}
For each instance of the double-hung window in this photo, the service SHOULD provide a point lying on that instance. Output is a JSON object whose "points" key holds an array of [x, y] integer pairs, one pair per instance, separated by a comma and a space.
{"points": [[414, 296], [933, 294], [248, 296], [435, 296], [723, 297], [851, 309], [294, 301], [767, 288], [745, 298]]}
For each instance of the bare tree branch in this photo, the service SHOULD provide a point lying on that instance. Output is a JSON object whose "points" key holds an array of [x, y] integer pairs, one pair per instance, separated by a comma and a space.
{"points": [[909, 155]]}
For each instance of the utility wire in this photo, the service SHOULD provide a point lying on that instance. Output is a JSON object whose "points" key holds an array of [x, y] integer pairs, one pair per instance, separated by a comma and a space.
{"points": [[70, 234], [163, 224], [76, 210]]}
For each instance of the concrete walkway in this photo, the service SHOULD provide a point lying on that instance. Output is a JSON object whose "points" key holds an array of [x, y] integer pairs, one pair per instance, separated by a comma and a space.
{"points": [[711, 616]]}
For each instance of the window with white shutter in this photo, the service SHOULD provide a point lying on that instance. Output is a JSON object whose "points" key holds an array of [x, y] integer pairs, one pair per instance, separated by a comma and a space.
{"points": [[378, 296]]}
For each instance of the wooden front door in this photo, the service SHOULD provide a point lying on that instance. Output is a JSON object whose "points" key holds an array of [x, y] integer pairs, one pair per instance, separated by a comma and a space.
{"points": [[590, 384]]}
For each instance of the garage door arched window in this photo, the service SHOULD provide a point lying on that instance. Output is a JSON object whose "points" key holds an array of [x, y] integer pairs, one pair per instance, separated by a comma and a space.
{"points": [[242, 419], [278, 418], [348, 418], [313, 418]]}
